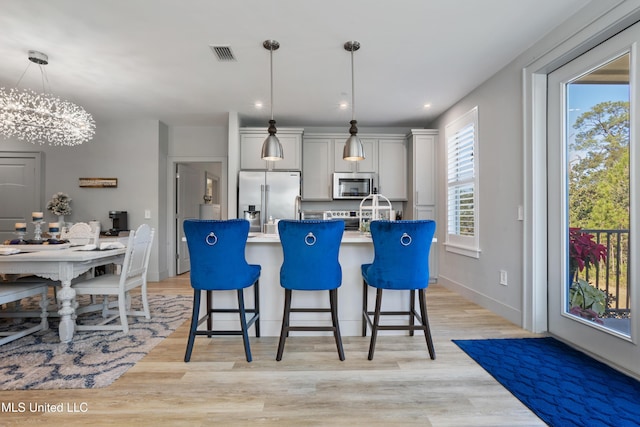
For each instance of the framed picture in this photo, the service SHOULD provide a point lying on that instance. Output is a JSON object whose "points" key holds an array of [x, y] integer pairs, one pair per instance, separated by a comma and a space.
{"points": [[98, 182], [208, 187]]}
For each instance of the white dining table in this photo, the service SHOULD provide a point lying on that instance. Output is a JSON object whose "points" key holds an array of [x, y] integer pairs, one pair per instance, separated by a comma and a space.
{"points": [[62, 265]]}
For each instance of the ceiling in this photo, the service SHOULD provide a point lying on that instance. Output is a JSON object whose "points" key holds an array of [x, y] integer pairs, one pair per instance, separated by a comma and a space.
{"points": [[124, 59]]}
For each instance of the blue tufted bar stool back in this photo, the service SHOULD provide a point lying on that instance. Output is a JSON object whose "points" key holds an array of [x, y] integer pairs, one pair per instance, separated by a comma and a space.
{"points": [[401, 262], [218, 263], [311, 249]]}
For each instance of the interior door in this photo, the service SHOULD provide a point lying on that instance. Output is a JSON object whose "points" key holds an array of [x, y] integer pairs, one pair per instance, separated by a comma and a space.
{"points": [[190, 190], [593, 204], [19, 178]]}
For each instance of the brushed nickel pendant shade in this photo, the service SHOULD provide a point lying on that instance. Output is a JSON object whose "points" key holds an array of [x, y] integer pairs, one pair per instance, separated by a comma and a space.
{"points": [[353, 149], [271, 148]]}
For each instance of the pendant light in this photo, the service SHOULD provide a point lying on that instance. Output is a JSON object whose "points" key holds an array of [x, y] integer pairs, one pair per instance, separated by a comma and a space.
{"points": [[353, 149], [271, 148]]}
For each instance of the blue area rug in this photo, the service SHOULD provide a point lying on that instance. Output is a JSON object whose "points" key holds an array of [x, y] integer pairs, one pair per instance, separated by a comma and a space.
{"points": [[563, 386]]}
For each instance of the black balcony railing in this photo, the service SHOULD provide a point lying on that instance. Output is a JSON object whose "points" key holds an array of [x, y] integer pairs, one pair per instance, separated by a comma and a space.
{"points": [[612, 274]]}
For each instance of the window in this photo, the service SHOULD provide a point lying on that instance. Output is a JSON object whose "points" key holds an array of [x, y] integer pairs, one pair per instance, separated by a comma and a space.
{"points": [[462, 185]]}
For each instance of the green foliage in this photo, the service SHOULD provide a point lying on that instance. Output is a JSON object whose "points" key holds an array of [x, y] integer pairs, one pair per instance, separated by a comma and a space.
{"points": [[599, 178], [586, 296]]}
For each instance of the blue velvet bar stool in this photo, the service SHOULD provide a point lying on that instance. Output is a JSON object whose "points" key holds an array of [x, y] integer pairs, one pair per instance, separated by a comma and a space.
{"points": [[311, 249], [401, 262], [218, 263]]}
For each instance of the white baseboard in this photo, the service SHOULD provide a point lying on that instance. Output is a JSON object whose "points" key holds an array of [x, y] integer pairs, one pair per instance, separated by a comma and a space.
{"points": [[510, 313]]}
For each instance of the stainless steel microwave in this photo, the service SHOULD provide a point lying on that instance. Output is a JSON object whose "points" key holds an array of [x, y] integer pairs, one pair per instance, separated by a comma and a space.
{"points": [[355, 185]]}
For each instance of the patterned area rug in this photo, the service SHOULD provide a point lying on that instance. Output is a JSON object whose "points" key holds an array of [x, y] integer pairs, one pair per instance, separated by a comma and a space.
{"points": [[94, 359], [563, 386]]}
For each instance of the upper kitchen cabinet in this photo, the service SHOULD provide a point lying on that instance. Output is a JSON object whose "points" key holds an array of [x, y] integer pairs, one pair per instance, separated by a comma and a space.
{"points": [[392, 167], [251, 140], [386, 155], [317, 166], [422, 170], [370, 162]]}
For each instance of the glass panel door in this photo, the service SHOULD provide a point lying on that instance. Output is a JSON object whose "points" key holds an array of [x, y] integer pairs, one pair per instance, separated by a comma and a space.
{"points": [[592, 202], [597, 118]]}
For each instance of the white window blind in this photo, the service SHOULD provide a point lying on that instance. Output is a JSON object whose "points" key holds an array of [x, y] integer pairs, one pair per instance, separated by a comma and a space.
{"points": [[460, 179], [462, 198]]}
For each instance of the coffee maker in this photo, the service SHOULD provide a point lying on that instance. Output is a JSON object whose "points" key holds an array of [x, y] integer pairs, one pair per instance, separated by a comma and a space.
{"points": [[253, 216], [118, 221]]}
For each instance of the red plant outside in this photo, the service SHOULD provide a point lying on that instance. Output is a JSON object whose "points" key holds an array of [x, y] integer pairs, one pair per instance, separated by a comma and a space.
{"points": [[583, 250]]}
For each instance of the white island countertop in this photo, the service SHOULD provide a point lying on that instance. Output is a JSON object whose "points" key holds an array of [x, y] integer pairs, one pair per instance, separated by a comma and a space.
{"points": [[347, 237]]}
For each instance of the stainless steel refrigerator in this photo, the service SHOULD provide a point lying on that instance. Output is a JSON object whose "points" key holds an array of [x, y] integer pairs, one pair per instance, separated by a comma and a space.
{"points": [[267, 194]]}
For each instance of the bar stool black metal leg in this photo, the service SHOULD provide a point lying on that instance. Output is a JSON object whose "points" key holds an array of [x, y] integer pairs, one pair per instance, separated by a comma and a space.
{"points": [[209, 296], [284, 332], [333, 299], [243, 324], [365, 307], [425, 321], [376, 322], [412, 310], [194, 324], [256, 299]]}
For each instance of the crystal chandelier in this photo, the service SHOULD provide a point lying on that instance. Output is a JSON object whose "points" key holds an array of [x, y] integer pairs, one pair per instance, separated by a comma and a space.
{"points": [[43, 118]]}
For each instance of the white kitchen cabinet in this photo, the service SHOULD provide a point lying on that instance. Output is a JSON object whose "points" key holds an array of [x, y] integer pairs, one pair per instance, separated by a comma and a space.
{"points": [[317, 166], [370, 162], [429, 212], [425, 212], [422, 169], [251, 140], [421, 201], [386, 155], [392, 168]]}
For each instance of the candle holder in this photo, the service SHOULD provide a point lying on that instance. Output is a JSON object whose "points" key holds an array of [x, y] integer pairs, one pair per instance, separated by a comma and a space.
{"points": [[37, 233], [20, 234], [54, 231]]}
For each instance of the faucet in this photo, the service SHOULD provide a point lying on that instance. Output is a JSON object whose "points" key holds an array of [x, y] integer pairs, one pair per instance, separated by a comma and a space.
{"points": [[296, 207]]}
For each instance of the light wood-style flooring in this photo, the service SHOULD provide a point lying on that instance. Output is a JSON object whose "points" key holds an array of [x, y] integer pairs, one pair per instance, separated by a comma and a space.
{"points": [[309, 387]]}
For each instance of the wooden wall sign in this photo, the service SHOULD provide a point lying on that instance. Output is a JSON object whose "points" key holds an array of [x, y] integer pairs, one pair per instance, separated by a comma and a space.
{"points": [[99, 182]]}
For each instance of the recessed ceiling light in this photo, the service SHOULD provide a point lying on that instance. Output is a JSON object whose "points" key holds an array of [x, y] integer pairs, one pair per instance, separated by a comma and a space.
{"points": [[427, 106], [258, 105], [344, 105]]}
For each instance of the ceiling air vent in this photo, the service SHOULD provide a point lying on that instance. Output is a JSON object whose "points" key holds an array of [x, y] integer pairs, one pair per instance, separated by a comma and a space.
{"points": [[223, 53]]}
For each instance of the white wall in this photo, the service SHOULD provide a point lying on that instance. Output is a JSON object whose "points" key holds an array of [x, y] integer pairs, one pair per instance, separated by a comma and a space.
{"points": [[500, 194], [160, 256], [206, 141]]}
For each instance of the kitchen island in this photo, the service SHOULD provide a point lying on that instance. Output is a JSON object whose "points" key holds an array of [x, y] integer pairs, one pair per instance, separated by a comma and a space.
{"points": [[265, 249]]}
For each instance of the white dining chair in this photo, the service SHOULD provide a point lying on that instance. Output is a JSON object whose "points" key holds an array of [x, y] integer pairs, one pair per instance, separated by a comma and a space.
{"points": [[81, 233], [133, 275], [14, 293]]}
